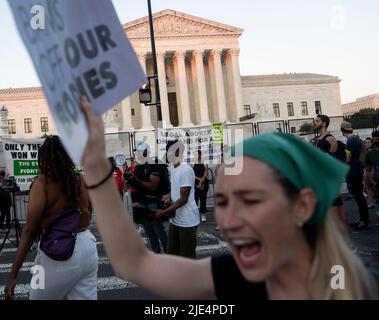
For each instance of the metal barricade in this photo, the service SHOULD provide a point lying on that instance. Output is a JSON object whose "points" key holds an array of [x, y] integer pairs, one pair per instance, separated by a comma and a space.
{"points": [[21, 205]]}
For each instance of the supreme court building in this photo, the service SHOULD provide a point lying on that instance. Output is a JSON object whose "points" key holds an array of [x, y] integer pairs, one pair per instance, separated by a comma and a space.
{"points": [[200, 83]]}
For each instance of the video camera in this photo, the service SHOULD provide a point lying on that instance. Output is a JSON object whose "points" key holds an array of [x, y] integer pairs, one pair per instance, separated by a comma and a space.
{"points": [[10, 185], [128, 175], [147, 206]]}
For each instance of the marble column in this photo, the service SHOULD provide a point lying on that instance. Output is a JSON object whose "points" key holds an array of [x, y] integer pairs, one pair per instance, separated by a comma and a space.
{"points": [[145, 110], [198, 57], [182, 77], [110, 121], [220, 88], [4, 127], [163, 89], [126, 115], [236, 83]]}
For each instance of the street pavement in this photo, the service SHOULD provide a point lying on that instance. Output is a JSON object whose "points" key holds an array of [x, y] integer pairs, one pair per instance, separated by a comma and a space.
{"points": [[210, 242], [109, 286]]}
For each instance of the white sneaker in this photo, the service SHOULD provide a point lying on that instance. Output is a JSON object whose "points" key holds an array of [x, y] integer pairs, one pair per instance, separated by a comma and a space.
{"points": [[203, 217], [140, 230]]}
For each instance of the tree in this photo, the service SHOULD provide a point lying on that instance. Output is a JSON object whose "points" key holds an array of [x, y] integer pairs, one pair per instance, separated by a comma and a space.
{"points": [[364, 118], [367, 111], [306, 128]]}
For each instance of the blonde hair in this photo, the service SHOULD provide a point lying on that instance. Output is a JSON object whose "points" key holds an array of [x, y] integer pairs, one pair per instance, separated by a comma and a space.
{"points": [[331, 249]]}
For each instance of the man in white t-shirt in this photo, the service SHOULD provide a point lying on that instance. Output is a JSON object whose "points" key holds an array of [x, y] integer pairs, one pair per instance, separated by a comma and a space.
{"points": [[183, 227]]}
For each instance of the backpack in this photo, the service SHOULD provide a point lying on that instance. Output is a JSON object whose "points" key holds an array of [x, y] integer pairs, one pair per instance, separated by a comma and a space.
{"points": [[362, 155], [340, 153]]}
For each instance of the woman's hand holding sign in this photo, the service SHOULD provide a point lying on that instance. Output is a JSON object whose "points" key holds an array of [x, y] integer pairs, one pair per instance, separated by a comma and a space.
{"points": [[94, 161]]}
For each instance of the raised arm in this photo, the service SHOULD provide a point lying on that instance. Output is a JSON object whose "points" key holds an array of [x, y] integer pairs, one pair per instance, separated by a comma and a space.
{"points": [[167, 276]]}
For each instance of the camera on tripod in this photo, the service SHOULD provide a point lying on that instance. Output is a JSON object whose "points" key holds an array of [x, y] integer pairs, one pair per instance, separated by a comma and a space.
{"points": [[10, 185]]}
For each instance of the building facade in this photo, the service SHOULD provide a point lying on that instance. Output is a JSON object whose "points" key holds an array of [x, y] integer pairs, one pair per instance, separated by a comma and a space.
{"points": [[200, 83], [368, 102]]}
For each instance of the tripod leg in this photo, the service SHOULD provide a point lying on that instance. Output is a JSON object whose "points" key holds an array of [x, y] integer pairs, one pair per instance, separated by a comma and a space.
{"points": [[18, 231], [6, 236]]}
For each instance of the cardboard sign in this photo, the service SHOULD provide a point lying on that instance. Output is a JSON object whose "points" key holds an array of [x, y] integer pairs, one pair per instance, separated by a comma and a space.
{"points": [[21, 158], [217, 133], [78, 47], [200, 138]]}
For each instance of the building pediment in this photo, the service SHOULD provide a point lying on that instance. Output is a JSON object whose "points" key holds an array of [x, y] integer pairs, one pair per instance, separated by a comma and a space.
{"points": [[169, 23]]}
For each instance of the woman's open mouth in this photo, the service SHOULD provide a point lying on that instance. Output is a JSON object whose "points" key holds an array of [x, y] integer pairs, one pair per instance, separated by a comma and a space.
{"points": [[248, 251]]}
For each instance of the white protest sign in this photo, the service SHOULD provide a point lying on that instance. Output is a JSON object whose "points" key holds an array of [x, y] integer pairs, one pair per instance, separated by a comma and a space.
{"points": [[78, 47], [21, 158], [195, 139]]}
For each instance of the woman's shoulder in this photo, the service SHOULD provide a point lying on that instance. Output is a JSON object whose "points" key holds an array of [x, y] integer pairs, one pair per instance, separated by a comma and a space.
{"points": [[39, 180]]}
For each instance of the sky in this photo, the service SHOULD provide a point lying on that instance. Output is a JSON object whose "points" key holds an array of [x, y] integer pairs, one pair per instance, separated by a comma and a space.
{"points": [[331, 37]]}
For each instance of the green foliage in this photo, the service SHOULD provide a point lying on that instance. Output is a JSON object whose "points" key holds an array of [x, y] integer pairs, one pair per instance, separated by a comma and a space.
{"points": [[367, 111], [364, 119], [45, 136], [306, 128]]}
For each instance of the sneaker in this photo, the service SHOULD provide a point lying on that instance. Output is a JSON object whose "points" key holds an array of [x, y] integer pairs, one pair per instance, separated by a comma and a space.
{"points": [[354, 248], [354, 224], [362, 226], [217, 228], [371, 205], [140, 230], [203, 217]]}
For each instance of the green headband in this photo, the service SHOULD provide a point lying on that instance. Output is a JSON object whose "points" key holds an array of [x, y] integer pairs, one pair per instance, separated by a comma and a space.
{"points": [[301, 163]]}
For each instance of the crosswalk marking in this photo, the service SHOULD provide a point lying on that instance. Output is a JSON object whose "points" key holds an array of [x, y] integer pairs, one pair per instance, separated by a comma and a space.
{"points": [[106, 283], [103, 284], [6, 268]]}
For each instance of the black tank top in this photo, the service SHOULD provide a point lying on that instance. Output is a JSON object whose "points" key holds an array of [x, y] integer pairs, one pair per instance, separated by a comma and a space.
{"points": [[199, 169], [324, 144]]}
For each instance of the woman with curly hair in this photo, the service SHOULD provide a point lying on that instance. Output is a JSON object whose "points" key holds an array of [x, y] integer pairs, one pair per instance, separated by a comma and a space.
{"points": [[58, 199]]}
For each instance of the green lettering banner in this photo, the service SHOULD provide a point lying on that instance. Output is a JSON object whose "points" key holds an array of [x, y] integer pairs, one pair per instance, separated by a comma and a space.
{"points": [[25, 168], [217, 133]]}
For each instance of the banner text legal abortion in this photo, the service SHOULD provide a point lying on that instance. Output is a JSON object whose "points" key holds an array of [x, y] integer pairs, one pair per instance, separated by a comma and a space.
{"points": [[88, 44]]}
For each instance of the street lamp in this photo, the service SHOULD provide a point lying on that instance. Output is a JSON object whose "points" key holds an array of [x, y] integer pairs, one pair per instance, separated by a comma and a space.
{"points": [[146, 92]]}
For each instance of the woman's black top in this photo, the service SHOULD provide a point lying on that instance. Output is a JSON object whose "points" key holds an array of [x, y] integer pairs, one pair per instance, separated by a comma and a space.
{"points": [[231, 285]]}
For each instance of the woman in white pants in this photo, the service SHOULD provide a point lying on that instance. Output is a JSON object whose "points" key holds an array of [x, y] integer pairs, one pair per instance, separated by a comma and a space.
{"points": [[57, 188]]}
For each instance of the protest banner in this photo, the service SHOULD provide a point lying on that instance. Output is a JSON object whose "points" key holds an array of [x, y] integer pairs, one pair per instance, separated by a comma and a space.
{"points": [[21, 158], [78, 47], [217, 133], [195, 139]]}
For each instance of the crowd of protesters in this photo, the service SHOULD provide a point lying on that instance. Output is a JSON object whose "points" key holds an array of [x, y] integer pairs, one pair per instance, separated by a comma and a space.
{"points": [[284, 250], [362, 156]]}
